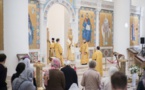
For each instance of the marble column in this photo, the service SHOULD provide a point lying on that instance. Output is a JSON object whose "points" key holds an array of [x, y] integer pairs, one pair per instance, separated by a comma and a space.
{"points": [[121, 26], [142, 21], [76, 32], [15, 31], [97, 27], [76, 25], [43, 34]]}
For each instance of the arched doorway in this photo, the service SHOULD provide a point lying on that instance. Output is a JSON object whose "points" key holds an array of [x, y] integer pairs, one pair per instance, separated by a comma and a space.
{"points": [[58, 22], [46, 10]]}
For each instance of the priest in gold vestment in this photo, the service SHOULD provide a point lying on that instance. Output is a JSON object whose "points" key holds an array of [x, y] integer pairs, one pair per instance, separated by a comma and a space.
{"points": [[70, 47], [58, 51], [84, 53], [97, 56], [52, 51]]}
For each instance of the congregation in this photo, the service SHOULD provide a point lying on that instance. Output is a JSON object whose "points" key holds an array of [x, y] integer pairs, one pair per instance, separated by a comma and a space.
{"points": [[63, 78]]}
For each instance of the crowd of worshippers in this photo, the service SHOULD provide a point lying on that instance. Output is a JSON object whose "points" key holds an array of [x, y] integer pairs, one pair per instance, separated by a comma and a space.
{"points": [[64, 78]]}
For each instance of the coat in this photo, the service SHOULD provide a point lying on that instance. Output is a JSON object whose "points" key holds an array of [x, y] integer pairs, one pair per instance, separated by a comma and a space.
{"points": [[56, 80], [106, 83], [3, 75], [24, 81], [70, 76], [141, 86], [91, 80]]}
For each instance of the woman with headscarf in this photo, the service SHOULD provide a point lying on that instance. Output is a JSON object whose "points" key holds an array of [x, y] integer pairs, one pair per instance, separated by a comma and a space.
{"points": [[141, 84], [26, 61], [25, 81], [19, 69], [54, 79], [106, 82], [70, 75]]}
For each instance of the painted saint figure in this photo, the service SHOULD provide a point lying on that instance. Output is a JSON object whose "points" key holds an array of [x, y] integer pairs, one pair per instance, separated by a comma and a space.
{"points": [[132, 32], [70, 47], [84, 53], [31, 31], [87, 28], [97, 56], [105, 31]]}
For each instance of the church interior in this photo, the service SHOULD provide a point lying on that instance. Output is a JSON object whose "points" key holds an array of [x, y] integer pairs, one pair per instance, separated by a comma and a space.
{"points": [[111, 32]]}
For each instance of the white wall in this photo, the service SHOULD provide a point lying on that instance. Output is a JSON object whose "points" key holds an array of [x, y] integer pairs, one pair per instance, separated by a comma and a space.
{"points": [[141, 3], [15, 31], [66, 28], [58, 19], [121, 33]]}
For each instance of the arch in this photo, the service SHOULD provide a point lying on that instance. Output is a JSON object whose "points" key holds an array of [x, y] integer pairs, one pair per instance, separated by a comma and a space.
{"points": [[65, 3]]}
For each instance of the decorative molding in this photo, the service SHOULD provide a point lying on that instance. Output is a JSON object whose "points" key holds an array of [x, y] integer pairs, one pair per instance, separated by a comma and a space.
{"points": [[42, 1], [88, 3], [107, 5], [62, 2], [135, 10], [91, 3]]}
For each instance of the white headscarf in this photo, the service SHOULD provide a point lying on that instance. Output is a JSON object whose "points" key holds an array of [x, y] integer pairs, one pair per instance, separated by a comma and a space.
{"points": [[26, 61], [67, 62]]}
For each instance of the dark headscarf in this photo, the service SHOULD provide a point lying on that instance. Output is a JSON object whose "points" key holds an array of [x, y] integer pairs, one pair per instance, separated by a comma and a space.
{"points": [[19, 69]]}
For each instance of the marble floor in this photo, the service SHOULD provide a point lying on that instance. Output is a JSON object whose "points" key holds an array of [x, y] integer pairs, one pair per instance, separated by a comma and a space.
{"points": [[80, 70]]}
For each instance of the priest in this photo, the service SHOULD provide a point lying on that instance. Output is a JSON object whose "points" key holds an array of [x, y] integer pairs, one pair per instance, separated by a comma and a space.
{"points": [[58, 51], [52, 51], [84, 53], [97, 56]]}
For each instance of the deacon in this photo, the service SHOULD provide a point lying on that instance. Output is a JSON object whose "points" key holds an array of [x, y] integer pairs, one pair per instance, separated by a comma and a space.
{"points": [[52, 51], [84, 53], [97, 56], [58, 51]]}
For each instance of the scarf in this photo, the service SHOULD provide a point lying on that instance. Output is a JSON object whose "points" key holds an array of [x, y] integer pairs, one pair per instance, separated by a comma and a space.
{"points": [[26, 75]]}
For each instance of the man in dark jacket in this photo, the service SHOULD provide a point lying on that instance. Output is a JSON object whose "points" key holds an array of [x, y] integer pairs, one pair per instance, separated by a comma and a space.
{"points": [[70, 75], [3, 72]]}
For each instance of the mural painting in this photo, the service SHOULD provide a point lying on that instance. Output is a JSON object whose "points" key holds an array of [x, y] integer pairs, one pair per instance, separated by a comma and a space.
{"points": [[106, 28], [134, 29], [87, 26]]}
